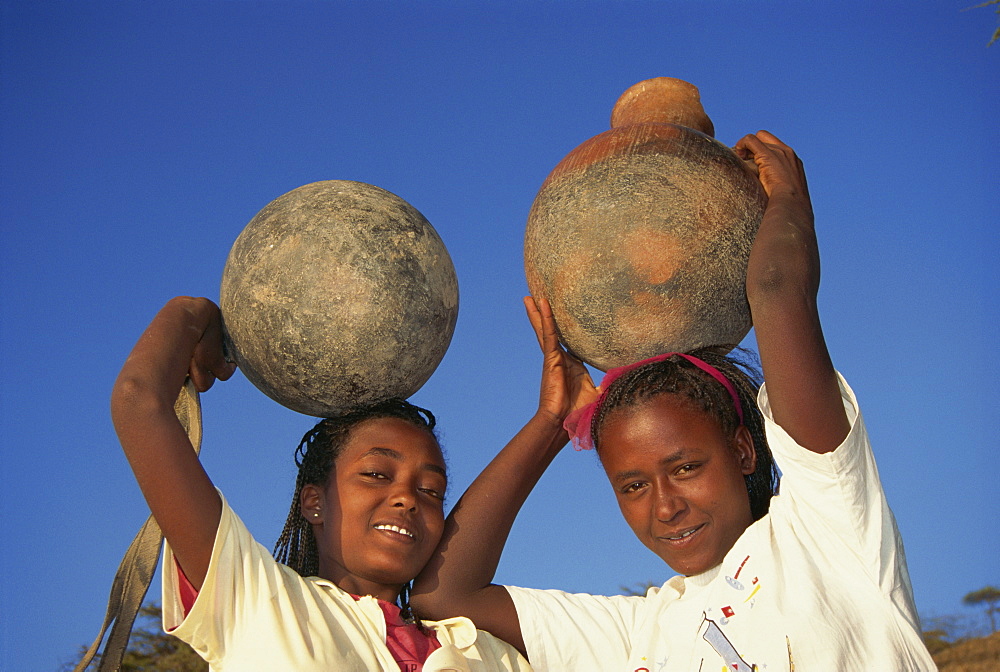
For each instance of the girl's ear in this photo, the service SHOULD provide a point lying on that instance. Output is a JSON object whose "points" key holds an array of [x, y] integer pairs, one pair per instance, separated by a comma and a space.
{"points": [[311, 504], [745, 452]]}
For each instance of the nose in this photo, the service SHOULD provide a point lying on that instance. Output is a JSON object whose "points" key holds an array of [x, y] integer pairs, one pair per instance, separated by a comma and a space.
{"points": [[668, 504], [404, 496]]}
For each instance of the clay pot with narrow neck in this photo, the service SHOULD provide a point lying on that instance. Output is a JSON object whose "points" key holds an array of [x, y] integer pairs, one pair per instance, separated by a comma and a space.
{"points": [[337, 295], [640, 237]]}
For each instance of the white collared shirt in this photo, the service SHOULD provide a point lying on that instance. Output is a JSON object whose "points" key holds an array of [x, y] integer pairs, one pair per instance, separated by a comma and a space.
{"points": [[253, 613], [819, 583]]}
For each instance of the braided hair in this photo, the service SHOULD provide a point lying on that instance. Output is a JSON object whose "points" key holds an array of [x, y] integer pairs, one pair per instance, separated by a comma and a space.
{"points": [[315, 456], [676, 375]]}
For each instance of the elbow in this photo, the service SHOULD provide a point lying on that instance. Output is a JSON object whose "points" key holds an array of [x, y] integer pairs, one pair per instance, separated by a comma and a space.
{"points": [[132, 399], [428, 603], [787, 266], [776, 283], [766, 281], [432, 599]]}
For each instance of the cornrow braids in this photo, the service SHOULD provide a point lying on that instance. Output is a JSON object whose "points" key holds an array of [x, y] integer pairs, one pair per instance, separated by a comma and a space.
{"points": [[319, 449], [676, 375]]}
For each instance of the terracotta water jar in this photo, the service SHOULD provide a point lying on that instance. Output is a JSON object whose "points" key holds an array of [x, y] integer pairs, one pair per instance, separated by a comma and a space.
{"points": [[640, 236]]}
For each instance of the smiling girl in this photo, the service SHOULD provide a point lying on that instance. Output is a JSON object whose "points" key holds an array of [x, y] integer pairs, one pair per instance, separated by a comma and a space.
{"points": [[811, 577], [366, 515]]}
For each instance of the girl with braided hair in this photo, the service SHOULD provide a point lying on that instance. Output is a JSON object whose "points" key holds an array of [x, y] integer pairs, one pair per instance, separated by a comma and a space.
{"points": [[365, 517], [810, 576]]}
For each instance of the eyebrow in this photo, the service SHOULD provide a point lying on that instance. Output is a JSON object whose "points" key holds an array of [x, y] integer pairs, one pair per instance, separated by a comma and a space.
{"points": [[398, 456], [675, 456], [625, 475]]}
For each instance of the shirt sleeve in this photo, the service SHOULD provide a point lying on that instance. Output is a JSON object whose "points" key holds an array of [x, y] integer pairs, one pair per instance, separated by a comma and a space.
{"points": [[836, 500], [497, 654], [567, 631], [241, 573]]}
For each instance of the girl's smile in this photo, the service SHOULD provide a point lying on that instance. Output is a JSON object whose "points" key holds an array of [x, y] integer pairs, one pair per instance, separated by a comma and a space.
{"points": [[684, 535], [399, 531]]}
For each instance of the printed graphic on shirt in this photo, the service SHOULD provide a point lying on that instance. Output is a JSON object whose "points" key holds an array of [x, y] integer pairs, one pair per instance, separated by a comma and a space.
{"points": [[659, 666], [745, 588], [712, 634], [739, 594], [730, 610]]}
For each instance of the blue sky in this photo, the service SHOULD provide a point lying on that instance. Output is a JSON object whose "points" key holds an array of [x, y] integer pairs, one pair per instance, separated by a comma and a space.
{"points": [[138, 139]]}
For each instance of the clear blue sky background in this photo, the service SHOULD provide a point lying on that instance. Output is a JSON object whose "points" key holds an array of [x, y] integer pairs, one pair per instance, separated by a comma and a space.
{"points": [[139, 138]]}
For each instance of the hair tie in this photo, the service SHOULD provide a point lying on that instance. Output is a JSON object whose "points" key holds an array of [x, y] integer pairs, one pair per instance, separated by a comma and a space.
{"points": [[578, 422]]}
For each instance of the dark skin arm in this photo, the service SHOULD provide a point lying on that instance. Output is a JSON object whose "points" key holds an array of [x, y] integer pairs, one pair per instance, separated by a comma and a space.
{"points": [[185, 338], [782, 284], [458, 578]]}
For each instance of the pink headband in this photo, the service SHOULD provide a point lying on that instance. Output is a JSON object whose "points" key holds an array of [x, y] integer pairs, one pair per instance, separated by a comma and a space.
{"points": [[579, 421]]}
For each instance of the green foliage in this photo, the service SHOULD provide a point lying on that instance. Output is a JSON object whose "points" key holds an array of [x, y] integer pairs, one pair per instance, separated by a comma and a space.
{"points": [[943, 631], [996, 33], [152, 650], [988, 595]]}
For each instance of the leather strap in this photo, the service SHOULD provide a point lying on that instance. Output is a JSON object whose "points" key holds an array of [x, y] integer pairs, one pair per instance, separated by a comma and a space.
{"points": [[135, 573]]}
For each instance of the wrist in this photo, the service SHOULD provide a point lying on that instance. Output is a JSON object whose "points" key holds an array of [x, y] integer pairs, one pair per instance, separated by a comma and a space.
{"points": [[547, 429], [545, 420]]}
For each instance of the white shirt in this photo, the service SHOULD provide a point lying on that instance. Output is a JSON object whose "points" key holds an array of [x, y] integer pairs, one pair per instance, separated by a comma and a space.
{"points": [[819, 583], [253, 613]]}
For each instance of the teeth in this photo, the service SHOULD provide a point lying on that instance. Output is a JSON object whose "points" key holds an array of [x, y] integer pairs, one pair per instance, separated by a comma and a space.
{"points": [[396, 529], [686, 534]]}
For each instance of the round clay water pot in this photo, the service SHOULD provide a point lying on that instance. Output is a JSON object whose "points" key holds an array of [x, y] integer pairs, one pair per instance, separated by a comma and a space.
{"points": [[336, 295], [640, 237]]}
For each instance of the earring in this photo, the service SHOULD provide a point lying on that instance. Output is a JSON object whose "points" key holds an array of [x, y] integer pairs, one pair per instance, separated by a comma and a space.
{"points": [[315, 515]]}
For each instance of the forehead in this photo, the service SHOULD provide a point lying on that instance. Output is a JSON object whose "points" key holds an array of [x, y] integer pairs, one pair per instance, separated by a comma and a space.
{"points": [[657, 428], [395, 439]]}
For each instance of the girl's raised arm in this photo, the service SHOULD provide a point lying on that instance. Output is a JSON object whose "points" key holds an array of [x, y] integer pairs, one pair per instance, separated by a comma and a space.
{"points": [[185, 338], [782, 284], [458, 578]]}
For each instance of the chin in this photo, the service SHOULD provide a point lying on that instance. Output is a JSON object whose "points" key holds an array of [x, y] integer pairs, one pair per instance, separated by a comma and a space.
{"points": [[690, 566], [391, 572]]}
